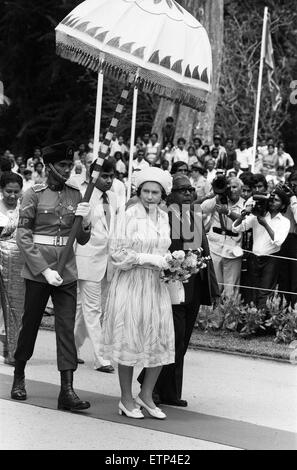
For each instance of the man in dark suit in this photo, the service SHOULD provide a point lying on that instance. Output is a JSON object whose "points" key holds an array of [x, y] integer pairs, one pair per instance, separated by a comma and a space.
{"points": [[187, 232]]}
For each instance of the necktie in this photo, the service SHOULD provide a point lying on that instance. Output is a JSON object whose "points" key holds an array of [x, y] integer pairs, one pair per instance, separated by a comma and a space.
{"points": [[106, 208]]}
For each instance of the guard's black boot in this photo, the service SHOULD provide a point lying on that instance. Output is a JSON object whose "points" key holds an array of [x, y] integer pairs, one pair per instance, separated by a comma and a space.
{"points": [[18, 391], [68, 400]]}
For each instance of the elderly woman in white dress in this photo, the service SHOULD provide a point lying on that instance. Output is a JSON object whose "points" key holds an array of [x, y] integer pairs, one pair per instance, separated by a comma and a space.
{"points": [[138, 326]]}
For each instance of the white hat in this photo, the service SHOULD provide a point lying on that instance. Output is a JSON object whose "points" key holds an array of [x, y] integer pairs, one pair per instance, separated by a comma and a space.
{"points": [[156, 175]]}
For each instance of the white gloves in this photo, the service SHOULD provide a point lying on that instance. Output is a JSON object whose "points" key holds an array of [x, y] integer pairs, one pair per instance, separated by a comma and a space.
{"points": [[83, 209], [52, 277], [156, 260]]}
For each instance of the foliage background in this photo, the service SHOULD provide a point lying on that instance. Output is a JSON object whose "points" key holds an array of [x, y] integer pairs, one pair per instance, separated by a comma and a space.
{"points": [[53, 99]]}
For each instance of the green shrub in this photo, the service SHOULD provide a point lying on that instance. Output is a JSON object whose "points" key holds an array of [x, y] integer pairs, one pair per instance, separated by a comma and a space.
{"points": [[253, 319], [232, 315], [282, 319]]}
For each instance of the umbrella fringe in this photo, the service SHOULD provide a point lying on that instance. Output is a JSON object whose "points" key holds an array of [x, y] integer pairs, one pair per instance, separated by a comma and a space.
{"points": [[120, 70]]}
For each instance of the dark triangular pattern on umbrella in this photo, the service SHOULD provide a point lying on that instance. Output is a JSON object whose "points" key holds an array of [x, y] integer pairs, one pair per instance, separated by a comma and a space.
{"points": [[166, 62], [82, 26], [93, 31], [114, 42], [204, 76], [154, 58], [196, 74], [66, 19], [139, 52], [80, 54], [101, 37], [177, 67], [72, 21], [127, 47], [188, 72]]}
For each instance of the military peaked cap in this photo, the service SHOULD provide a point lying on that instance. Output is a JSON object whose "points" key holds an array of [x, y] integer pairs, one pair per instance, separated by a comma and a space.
{"points": [[58, 152]]}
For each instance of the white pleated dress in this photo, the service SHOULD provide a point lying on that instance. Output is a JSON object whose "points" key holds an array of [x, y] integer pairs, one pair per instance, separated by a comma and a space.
{"points": [[138, 324]]}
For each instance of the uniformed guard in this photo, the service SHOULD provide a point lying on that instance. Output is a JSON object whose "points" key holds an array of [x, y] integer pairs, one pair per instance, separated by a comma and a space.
{"points": [[46, 216]]}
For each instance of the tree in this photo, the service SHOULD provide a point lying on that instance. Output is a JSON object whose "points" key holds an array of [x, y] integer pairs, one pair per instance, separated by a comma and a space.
{"points": [[189, 121], [240, 68], [52, 99]]}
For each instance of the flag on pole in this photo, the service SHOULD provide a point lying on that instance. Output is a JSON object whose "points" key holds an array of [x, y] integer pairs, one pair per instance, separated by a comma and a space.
{"points": [[272, 79]]}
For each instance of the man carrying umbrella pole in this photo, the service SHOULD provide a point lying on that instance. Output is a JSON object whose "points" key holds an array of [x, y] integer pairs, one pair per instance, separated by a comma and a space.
{"points": [[46, 218]]}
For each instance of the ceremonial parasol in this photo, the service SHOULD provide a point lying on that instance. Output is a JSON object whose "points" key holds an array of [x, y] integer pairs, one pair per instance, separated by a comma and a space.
{"points": [[155, 45]]}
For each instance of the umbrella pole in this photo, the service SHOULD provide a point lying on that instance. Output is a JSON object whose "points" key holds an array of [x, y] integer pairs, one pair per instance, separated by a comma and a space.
{"points": [[132, 140], [96, 172], [98, 114]]}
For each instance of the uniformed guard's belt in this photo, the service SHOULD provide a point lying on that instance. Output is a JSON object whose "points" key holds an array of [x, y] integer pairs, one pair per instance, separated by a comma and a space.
{"points": [[47, 240]]}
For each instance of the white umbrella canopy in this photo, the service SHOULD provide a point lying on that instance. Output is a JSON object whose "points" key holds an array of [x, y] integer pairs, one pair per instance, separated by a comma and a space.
{"points": [[158, 41], [154, 44]]}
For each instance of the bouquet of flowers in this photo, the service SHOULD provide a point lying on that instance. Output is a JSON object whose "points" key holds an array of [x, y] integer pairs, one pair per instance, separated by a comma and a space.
{"points": [[183, 264]]}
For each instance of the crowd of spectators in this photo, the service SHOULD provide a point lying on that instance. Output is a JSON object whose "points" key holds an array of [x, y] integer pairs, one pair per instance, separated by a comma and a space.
{"points": [[235, 241]]}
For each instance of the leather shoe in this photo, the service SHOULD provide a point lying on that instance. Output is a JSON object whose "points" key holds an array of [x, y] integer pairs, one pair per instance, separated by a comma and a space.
{"points": [[18, 391], [108, 369], [80, 361], [180, 402]]}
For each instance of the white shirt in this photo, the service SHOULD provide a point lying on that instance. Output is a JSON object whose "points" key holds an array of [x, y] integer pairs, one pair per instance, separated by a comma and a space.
{"points": [[27, 184], [211, 175], [285, 160], [222, 245], [193, 159], [152, 152], [202, 186], [121, 167], [232, 170], [116, 147], [136, 165], [263, 245], [120, 191], [291, 214], [244, 157], [180, 156]]}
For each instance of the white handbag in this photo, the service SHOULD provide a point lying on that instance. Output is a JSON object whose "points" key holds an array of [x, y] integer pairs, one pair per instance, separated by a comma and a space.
{"points": [[176, 291]]}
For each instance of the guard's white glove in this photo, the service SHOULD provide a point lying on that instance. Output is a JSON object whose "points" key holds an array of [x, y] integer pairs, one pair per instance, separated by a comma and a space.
{"points": [[52, 277], [156, 260], [84, 210]]}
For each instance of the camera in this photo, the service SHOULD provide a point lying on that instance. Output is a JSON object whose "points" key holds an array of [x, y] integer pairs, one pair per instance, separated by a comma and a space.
{"points": [[220, 187], [287, 188], [261, 205]]}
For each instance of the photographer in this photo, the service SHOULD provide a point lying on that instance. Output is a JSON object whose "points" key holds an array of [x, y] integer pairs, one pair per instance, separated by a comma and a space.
{"points": [[225, 245], [270, 229], [288, 267]]}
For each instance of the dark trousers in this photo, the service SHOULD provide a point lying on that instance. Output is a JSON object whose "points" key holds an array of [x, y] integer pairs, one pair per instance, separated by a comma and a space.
{"points": [[247, 279], [264, 276], [64, 301], [288, 269], [169, 383]]}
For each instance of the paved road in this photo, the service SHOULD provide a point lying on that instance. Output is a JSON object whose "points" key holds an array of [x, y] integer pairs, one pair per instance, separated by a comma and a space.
{"points": [[218, 385]]}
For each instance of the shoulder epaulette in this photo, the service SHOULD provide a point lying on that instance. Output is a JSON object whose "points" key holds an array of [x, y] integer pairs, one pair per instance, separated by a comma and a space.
{"points": [[72, 185], [39, 187]]}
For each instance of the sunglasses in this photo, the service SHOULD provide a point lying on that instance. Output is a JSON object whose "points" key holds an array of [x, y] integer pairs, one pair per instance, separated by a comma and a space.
{"points": [[188, 189]]}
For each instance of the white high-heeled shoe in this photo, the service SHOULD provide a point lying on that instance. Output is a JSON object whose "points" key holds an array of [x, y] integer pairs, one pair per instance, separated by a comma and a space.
{"points": [[154, 412], [135, 413]]}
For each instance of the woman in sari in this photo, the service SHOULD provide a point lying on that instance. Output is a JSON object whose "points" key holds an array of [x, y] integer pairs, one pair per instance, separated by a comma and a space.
{"points": [[11, 283]]}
